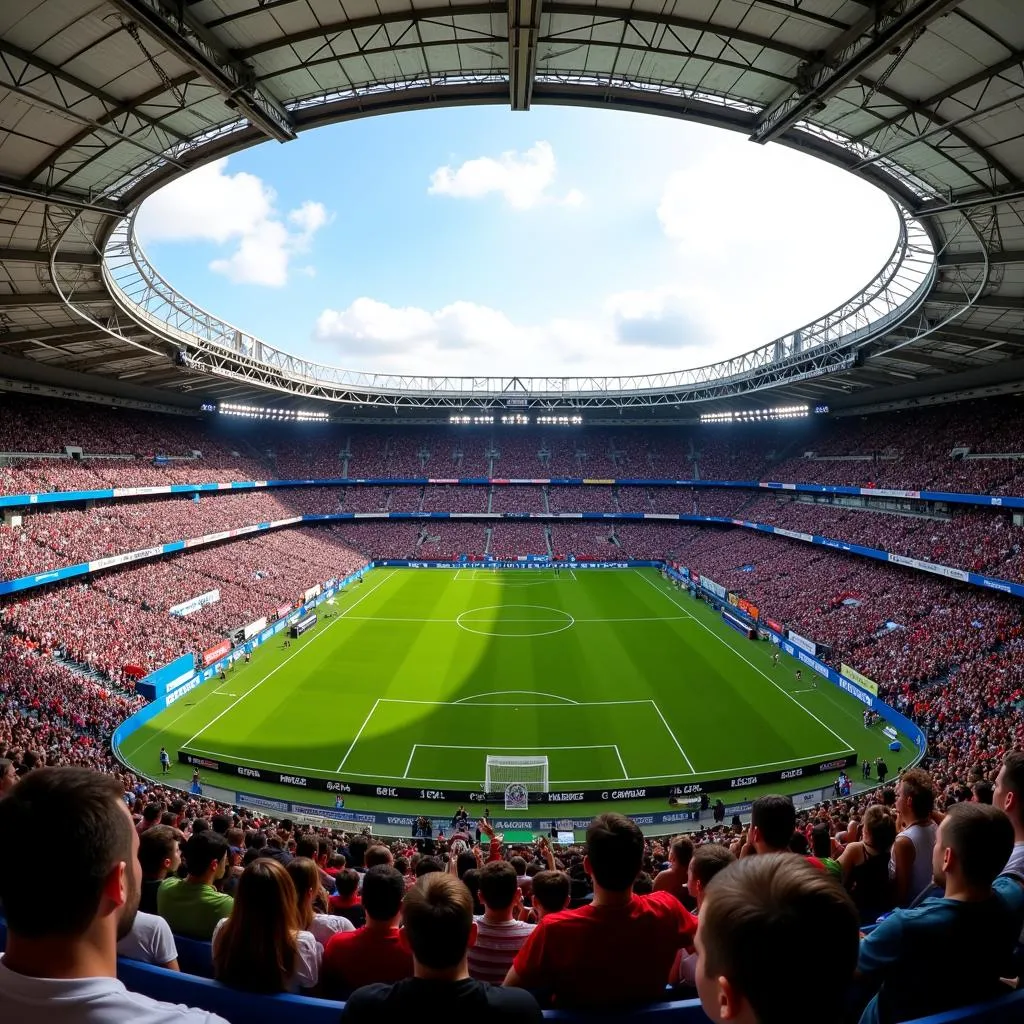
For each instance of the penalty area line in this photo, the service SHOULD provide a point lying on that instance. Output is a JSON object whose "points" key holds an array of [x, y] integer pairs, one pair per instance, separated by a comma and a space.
{"points": [[253, 689]]}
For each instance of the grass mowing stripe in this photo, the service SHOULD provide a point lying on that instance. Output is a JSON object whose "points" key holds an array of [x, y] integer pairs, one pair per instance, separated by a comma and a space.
{"points": [[301, 650], [722, 640]]}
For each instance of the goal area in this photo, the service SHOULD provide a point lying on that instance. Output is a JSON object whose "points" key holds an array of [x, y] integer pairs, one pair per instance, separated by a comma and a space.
{"points": [[530, 772]]}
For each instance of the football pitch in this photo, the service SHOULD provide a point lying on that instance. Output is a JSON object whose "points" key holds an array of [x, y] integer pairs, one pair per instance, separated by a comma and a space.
{"points": [[413, 677]]}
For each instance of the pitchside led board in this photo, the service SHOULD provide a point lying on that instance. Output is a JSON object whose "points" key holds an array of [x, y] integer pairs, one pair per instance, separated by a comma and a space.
{"points": [[167, 679]]}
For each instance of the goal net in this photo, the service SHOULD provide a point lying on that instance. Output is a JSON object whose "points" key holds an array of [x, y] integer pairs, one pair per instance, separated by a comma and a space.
{"points": [[530, 772]]}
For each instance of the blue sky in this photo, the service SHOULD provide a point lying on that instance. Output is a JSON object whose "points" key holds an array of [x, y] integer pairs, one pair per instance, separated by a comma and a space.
{"points": [[475, 241]]}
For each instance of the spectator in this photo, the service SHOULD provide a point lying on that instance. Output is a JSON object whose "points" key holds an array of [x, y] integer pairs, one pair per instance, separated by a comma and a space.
{"points": [[8, 775], [772, 928], [619, 948], [261, 946], [551, 893], [706, 862], [375, 953], [191, 905], [345, 900], [312, 900], [974, 926], [1009, 796], [439, 928], [150, 940], [499, 935], [60, 962], [911, 863], [674, 878], [865, 866], [159, 856]]}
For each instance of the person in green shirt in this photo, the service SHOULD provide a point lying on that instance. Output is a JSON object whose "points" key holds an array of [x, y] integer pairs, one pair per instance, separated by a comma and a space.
{"points": [[191, 905], [821, 847]]}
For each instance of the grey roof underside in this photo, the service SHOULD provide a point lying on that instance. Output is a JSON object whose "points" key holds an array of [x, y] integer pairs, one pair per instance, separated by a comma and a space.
{"points": [[102, 101]]}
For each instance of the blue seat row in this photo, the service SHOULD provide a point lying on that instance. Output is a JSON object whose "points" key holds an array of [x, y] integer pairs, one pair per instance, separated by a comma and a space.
{"points": [[245, 1008]]}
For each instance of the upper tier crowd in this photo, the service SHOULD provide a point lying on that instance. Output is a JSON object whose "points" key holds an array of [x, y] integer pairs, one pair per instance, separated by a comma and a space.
{"points": [[975, 448]]}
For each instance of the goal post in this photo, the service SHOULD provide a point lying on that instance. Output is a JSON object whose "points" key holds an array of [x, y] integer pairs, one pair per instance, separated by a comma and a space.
{"points": [[529, 772]]}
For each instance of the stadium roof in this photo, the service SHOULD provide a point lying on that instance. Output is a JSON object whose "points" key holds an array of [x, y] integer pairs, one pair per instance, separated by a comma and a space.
{"points": [[103, 101]]}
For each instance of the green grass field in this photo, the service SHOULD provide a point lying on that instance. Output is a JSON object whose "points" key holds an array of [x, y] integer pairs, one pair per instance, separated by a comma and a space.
{"points": [[616, 676]]}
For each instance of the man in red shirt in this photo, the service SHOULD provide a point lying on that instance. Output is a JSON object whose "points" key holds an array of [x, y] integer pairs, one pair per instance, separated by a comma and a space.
{"points": [[375, 952], [620, 948]]}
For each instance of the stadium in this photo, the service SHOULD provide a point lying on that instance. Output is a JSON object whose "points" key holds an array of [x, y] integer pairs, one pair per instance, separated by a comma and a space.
{"points": [[317, 609]]}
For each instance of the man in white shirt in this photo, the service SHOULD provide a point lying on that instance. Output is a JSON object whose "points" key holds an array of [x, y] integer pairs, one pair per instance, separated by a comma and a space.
{"points": [[61, 959], [1008, 796], [150, 941]]}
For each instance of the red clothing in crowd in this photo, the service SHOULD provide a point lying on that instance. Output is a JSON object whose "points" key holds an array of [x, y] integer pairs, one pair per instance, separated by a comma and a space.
{"points": [[593, 955], [354, 959]]}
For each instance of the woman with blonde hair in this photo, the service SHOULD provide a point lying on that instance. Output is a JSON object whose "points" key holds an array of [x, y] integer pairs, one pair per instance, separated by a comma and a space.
{"points": [[312, 902], [262, 946]]}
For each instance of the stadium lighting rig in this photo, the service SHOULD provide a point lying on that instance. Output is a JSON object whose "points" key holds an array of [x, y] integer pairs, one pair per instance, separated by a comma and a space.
{"points": [[255, 412], [516, 420], [780, 412]]}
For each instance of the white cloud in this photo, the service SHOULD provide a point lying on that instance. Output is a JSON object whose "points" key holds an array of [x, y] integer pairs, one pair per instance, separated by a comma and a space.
{"points": [[211, 205], [469, 338], [522, 179]]}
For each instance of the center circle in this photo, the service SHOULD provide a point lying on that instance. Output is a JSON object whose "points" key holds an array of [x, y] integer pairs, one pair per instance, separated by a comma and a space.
{"points": [[515, 620]]}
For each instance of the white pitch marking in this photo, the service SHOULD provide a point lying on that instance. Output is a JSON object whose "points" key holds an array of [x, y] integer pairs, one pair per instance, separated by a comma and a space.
{"points": [[253, 689], [622, 764], [721, 640], [679, 746], [358, 734], [532, 693]]}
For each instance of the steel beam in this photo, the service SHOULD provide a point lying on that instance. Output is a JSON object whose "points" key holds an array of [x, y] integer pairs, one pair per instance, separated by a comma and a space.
{"points": [[51, 299], [523, 30], [78, 259], [983, 301], [191, 42], [853, 52], [27, 190], [973, 259], [971, 202]]}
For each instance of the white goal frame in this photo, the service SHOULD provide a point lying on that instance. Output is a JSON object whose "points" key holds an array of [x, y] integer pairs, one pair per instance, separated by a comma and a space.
{"points": [[516, 770]]}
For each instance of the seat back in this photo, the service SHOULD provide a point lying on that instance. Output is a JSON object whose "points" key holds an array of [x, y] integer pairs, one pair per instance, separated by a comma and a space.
{"points": [[194, 957], [686, 1011], [1007, 1009], [234, 1006]]}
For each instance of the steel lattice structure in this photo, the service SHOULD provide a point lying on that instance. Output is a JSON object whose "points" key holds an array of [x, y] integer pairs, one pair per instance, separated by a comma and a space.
{"points": [[103, 101]]}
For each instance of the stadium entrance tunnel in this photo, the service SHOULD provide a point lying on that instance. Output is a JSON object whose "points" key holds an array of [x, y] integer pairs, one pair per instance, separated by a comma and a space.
{"points": [[515, 620]]}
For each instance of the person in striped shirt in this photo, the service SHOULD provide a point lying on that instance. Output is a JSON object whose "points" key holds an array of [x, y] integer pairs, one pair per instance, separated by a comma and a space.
{"points": [[499, 934]]}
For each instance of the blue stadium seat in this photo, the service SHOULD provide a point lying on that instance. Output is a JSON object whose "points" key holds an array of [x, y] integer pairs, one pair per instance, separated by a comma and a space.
{"points": [[3, 934], [194, 957], [232, 1005], [1005, 1010], [686, 1011]]}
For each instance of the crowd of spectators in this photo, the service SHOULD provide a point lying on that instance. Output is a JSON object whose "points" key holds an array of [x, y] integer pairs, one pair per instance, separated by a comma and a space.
{"points": [[121, 617]]}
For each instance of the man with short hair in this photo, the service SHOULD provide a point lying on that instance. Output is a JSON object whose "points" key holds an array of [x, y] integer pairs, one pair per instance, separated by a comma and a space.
{"points": [[191, 905], [499, 935], [973, 928], [706, 863], [1009, 796], [619, 948], [438, 928], [772, 824], [551, 893], [772, 928], [378, 855], [159, 856], [375, 952], [673, 879], [60, 964]]}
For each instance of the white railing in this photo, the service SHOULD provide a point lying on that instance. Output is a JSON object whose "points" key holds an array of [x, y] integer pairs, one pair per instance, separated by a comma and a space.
{"points": [[897, 289]]}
